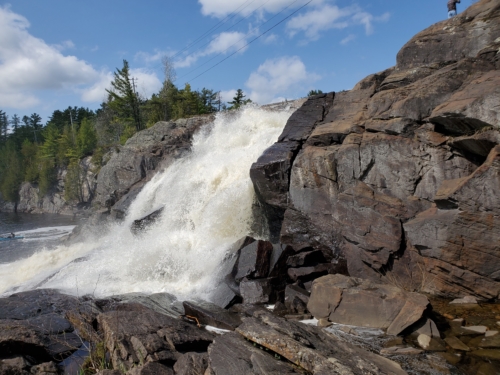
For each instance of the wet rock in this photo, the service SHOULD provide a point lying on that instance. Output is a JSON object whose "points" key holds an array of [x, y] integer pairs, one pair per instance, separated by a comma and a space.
{"points": [[487, 354], [338, 298], [475, 329], [191, 364], [491, 342], [33, 303], [305, 274], [465, 300], [141, 224], [427, 327], [456, 344], [14, 366], [141, 334], [213, 315], [254, 260], [151, 368], [258, 291], [305, 259], [401, 350], [230, 354], [431, 344], [47, 368], [312, 349], [296, 299]]}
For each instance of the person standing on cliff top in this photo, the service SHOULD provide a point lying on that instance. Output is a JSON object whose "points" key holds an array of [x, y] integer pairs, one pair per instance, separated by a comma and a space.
{"points": [[452, 8]]}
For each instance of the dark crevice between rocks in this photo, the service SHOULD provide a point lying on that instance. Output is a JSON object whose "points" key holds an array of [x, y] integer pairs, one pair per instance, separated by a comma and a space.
{"points": [[367, 169]]}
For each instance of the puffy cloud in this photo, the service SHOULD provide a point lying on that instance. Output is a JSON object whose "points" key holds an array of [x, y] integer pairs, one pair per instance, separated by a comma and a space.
{"points": [[222, 8], [97, 92], [326, 16], [28, 63], [147, 83], [276, 79], [225, 42], [227, 96]]}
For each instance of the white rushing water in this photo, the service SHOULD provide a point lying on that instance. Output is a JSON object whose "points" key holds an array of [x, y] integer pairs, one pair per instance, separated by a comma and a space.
{"points": [[207, 198]]}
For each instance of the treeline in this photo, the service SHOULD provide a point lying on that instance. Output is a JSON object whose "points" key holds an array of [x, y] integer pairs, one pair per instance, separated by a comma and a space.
{"points": [[36, 153]]}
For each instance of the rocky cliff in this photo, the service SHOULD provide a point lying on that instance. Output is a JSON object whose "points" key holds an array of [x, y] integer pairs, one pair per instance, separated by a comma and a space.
{"points": [[398, 178], [54, 202]]}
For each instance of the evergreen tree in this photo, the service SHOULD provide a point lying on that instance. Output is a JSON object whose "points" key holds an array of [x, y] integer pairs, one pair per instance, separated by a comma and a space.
{"points": [[239, 100], [86, 139], [123, 99], [4, 126], [15, 122], [11, 172], [314, 92]]}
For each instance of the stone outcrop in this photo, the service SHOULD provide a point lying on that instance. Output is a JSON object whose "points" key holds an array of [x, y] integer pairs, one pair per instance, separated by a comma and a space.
{"points": [[398, 177], [131, 165], [359, 302]]}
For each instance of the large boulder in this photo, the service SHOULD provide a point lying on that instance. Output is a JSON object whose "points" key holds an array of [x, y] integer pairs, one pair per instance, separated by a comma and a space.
{"points": [[359, 302]]}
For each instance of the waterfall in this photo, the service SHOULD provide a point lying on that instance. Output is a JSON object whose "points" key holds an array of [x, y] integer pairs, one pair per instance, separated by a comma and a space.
{"points": [[207, 198]]}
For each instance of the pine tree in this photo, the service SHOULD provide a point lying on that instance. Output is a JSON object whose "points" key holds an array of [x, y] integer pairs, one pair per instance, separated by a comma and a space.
{"points": [[239, 100], [4, 126], [123, 99], [15, 122]]}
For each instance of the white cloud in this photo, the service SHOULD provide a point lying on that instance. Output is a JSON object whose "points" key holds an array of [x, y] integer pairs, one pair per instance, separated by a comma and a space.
{"points": [[147, 83], [222, 8], [28, 64], [227, 96], [97, 92], [223, 43], [348, 39], [275, 79], [327, 16]]}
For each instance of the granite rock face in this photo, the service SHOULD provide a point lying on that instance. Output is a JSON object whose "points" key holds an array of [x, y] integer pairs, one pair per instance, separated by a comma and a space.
{"points": [[398, 177], [136, 162], [359, 302]]}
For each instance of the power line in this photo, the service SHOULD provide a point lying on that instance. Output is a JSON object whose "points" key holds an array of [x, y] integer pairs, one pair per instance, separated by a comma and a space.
{"points": [[230, 27], [232, 45], [253, 40], [213, 28]]}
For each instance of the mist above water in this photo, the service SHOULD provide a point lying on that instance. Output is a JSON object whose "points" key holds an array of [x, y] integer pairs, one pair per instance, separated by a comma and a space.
{"points": [[207, 198]]}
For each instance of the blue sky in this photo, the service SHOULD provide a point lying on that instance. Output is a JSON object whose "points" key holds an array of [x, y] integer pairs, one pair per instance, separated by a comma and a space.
{"points": [[60, 53]]}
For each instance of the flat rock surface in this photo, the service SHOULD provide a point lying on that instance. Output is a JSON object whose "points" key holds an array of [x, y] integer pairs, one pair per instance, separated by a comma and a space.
{"points": [[338, 298]]}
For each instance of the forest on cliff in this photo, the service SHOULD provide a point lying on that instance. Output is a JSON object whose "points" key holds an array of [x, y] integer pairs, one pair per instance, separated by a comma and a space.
{"points": [[33, 152]]}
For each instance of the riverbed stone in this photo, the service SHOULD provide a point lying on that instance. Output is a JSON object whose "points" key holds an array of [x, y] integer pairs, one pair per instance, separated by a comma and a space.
{"points": [[209, 314], [191, 364], [338, 298]]}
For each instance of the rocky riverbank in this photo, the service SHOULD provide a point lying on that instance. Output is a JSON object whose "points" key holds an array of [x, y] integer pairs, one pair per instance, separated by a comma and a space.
{"points": [[278, 315], [383, 209]]}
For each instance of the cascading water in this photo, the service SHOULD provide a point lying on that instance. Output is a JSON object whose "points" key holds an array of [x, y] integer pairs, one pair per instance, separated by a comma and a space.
{"points": [[207, 198]]}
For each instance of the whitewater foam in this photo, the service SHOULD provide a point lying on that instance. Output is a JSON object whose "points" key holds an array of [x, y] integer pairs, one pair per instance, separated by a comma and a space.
{"points": [[207, 198]]}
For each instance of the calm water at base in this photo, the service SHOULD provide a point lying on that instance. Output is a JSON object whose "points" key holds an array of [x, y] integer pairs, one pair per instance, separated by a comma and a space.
{"points": [[39, 231]]}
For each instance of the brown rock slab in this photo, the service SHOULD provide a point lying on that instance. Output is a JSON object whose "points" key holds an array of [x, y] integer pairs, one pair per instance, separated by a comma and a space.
{"points": [[456, 344], [151, 368], [312, 349], [230, 354], [213, 315], [191, 364], [339, 297], [488, 354]]}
